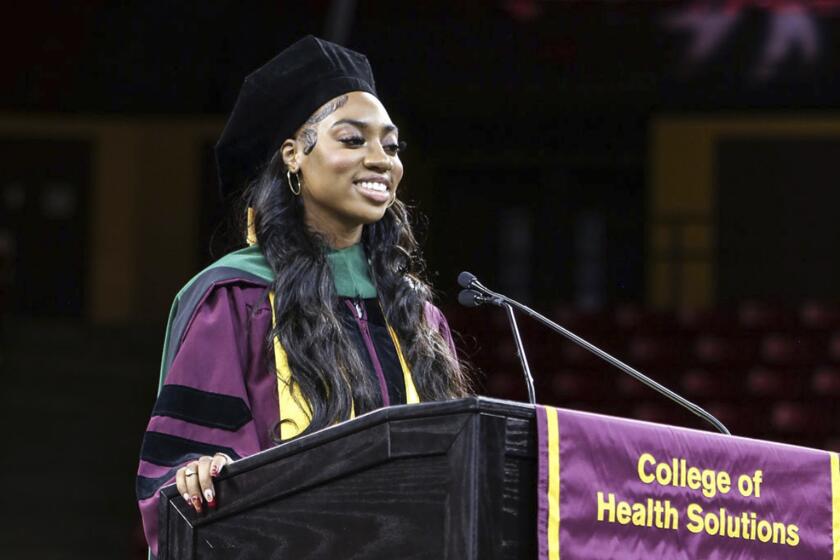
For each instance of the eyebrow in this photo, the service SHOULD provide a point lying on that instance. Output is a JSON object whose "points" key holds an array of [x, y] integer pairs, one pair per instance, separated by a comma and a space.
{"points": [[363, 125]]}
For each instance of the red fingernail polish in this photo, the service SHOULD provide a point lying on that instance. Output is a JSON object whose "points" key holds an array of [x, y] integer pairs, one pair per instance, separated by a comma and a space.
{"points": [[211, 504], [196, 504], [214, 472]]}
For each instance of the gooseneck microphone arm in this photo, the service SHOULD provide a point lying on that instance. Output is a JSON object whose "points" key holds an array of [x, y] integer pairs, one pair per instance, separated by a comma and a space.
{"points": [[469, 281], [472, 298]]}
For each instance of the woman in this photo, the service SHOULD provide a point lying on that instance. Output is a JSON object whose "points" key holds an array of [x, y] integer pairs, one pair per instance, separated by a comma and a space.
{"points": [[324, 317]]}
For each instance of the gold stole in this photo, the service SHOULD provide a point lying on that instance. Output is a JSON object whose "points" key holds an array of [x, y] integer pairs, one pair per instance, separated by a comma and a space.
{"points": [[295, 413]]}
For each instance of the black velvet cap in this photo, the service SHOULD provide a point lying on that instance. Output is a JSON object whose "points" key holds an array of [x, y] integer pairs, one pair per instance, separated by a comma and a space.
{"points": [[277, 98]]}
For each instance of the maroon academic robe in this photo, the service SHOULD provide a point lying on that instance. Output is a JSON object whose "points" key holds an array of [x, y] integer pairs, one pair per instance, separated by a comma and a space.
{"points": [[220, 388]]}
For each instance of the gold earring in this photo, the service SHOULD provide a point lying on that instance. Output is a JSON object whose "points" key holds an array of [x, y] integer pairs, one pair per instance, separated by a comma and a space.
{"points": [[291, 184]]}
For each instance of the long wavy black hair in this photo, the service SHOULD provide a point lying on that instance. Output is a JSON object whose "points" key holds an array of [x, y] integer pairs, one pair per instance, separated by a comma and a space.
{"points": [[322, 359]]}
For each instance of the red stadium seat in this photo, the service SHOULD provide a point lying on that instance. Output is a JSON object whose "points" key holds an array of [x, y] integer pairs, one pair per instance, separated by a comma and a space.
{"points": [[768, 382], [509, 385], [663, 412], [582, 322], [578, 384], [639, 319], [504, 350], [570, 354], [833, 349], [742, 418], [631, 388], [762, 316], [820, 316], [725, 351], [708, 321], [791, 417], [706, 382], [786, 350], [663, 352], [826, 381], [548, 350], [569, 384]]}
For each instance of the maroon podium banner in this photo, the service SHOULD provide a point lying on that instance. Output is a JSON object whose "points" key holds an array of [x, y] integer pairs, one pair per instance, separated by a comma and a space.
{"points": [[618, 488]]}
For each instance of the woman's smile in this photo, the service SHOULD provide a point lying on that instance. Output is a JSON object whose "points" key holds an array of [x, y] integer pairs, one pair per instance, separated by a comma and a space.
{"points": [[376, 189]]}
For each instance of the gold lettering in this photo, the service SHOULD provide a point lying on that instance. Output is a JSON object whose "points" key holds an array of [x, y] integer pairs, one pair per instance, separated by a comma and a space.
{"points": [[792, 535], [765, 531], [745, 485], [694, 478], [672, 518], [623, 513], [733, 527], [640, 515], [758, 477], [778, 532], [709, 479], [695, 515], [712, 523], [646, 458], [606, 507], [664, 474], [723, 483], [656, 510]]}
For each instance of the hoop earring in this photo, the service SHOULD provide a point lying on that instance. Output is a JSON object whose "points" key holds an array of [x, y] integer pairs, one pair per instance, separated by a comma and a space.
{"points": [[291, 184]]}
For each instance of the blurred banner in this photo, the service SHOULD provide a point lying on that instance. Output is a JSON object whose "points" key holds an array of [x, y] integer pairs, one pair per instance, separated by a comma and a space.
{"points": [[792, 31]]}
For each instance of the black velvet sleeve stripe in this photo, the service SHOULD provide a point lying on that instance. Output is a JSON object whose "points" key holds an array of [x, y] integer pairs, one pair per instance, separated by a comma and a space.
{"points": [[169, 451], [202, 407], [145, 487], [190, 299]]}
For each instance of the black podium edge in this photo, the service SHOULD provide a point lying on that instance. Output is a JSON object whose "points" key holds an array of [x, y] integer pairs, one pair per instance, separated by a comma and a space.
{"points": [[376, 423]]}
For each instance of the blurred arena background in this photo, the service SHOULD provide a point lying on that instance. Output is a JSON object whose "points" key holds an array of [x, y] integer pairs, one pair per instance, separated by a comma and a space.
{"points": [[658, 176]]}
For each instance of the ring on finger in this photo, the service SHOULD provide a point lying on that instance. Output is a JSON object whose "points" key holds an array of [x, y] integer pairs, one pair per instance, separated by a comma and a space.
{"points": [[189, 472]]}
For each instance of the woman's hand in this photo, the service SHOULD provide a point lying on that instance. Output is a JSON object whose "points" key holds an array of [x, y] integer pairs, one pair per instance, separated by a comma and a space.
{"points": [[195, 480]]}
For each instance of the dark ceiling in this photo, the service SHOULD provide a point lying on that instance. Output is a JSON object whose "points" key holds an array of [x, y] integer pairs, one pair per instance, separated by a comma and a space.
{"points": [[456, 57]]}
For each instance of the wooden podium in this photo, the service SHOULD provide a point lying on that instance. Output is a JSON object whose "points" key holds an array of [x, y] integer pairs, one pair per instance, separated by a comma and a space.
{"points": [[447, 480]]}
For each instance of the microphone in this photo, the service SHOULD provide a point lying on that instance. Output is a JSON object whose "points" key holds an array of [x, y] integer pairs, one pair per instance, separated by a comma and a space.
{"points": [[470, 298], [465, 279], [469, 281]]}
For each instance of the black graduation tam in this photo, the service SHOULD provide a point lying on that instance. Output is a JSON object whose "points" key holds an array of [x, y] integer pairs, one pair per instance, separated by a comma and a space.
{"points": [[276, 99]]}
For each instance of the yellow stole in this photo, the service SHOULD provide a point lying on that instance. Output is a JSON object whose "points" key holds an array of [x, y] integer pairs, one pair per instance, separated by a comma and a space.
{"points": [[295, 413]]}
